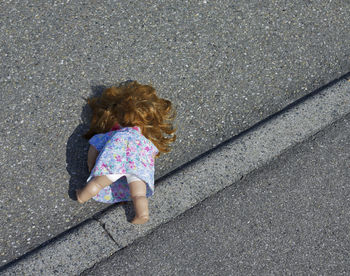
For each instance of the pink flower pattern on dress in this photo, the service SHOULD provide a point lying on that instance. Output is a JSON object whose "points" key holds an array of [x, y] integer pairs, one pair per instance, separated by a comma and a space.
{"points": [[123, 151]]}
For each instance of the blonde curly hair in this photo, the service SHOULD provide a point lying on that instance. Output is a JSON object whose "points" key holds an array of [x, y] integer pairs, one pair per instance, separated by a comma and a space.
{"points": [[131, 105]]}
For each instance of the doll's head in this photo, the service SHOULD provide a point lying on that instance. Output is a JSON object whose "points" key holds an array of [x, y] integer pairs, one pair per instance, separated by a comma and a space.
{"points": [[130, 105]]}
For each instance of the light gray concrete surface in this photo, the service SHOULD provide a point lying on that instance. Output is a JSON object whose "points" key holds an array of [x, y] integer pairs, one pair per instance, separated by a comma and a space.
{"points": [[290, 217], [225, 66], [209, 174], [68, 254]]}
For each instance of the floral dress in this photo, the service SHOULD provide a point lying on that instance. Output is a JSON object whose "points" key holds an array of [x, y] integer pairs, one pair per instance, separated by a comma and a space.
{"points": [[123, 151]]}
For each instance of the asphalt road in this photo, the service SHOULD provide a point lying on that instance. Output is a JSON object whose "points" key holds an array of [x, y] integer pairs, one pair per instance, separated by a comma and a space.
{"points": [[226, 66]]}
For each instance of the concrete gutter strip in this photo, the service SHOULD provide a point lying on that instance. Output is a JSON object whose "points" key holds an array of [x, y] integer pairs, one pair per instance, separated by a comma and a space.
{"points": [[288, 217], [82, 247], [76, 250], [206, 176]]}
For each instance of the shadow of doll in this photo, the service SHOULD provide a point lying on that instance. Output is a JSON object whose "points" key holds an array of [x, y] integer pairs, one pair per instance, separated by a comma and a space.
{"points": [[77, 148], [128, 210]]}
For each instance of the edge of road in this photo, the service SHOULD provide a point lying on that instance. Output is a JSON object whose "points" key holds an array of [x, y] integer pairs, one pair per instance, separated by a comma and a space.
{"points": [[97, 238]]}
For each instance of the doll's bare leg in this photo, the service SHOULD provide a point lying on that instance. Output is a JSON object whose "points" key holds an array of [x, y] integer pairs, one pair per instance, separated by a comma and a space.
{"points": [[92, 188], [139, 199]]}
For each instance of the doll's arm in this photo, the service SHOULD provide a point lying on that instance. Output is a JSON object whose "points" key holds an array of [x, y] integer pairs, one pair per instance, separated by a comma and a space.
{"points": [[92, 156]]}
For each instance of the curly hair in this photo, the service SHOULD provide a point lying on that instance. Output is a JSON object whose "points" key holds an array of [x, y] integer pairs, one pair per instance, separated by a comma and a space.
{"points": [[131, 105]]}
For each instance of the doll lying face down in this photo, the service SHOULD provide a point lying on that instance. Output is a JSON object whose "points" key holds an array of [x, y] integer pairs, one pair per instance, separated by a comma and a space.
{"points": [[130, 126]]}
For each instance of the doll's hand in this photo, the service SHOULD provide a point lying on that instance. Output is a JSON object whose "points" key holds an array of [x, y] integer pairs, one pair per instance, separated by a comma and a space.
{"points": [[92, 156]]}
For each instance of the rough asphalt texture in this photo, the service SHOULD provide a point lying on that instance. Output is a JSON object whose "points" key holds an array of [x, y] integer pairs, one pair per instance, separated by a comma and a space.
{"points": [[225, 66], [290, 217], [79, 249]]}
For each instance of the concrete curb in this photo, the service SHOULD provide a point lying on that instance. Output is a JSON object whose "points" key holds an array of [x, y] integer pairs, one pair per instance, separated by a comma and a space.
{"points": [[80, 248]]}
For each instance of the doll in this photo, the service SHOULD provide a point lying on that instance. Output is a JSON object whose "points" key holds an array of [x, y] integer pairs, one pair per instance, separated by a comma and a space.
{"points": [[130, 126]]}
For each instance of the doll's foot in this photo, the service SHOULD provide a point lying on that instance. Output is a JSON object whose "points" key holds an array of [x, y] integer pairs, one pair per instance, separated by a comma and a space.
{"points": [[140, 220]]}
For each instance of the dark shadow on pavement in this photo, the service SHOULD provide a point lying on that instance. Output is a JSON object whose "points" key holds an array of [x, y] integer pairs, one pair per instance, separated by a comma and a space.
{"points": [[77, 147], [129, 210]]}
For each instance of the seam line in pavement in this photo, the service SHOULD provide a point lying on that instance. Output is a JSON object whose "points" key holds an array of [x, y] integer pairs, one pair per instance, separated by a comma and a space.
{"points": [[103, 225], [252, 128]]}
